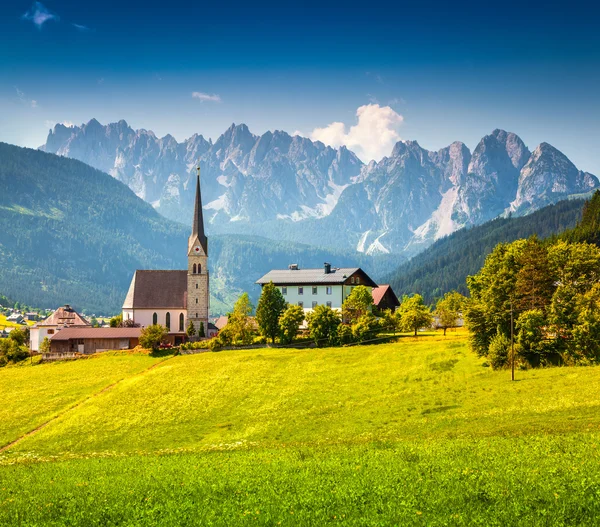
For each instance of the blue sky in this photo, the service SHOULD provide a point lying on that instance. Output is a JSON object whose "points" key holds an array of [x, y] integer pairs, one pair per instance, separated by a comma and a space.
{"points": [[435, 72]]}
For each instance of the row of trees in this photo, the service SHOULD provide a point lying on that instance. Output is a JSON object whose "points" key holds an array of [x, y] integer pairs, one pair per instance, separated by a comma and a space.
{"points": [[547, 293]]}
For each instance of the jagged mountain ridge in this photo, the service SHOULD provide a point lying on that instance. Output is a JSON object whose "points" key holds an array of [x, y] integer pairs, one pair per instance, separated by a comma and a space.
{"points": [[281, 186]]}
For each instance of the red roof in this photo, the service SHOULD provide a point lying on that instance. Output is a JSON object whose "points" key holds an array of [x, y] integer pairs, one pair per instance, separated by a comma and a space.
{"points": [[380, 292], [97, 333]]}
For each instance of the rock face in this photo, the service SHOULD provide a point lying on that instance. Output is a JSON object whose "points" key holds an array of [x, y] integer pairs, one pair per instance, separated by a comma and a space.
{"points": [[283, 186]]}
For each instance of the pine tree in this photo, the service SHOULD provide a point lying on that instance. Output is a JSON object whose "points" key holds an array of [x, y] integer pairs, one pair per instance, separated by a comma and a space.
{"points": [[201, 331]]}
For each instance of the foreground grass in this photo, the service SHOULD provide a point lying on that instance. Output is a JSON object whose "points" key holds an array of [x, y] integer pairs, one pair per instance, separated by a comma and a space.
{"points": [[416, 432]]}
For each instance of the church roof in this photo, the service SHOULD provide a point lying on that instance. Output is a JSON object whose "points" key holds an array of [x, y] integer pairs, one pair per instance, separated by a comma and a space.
{"points": [[64, 316], [157, 290]]}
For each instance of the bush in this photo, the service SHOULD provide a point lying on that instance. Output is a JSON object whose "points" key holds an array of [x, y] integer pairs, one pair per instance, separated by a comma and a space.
{"points": [[215, 344], [323, 324], [290, 322], [499, 351], [345, 335], [366, 327], [153, 336]]}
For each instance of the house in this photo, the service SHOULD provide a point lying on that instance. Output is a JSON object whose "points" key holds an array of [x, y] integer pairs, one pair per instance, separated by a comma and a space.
{"points": [[309, 288], [174, 298], [92, 340], [385, 298], [16, 318], [33, 317], [63, 317]]}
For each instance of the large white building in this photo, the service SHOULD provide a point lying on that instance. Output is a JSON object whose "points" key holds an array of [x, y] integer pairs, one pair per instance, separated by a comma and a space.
{"points": [[309, 288], [63, 317], [174, 298]]}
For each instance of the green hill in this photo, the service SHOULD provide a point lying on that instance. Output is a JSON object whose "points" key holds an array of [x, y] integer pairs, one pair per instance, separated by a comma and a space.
{"points": [[445, 265], [72, 234], [416, 432]]}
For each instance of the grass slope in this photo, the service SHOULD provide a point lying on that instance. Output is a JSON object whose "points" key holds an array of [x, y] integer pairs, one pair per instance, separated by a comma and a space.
{"points": [[416, 432]]}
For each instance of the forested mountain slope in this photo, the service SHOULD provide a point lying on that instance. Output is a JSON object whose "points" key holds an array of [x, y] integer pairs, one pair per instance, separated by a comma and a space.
{"points": [[445, 265]]}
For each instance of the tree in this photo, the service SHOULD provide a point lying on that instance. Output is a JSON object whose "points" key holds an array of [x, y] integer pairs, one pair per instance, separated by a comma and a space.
{"points": [[153, 336], [390, 320], [358, 303], [586, 332], [191, 330], [414, 314], [239, 327], [290, 322], [201, 332], [323, 323], [498, 351], [20, 336], [449, 309], [534, 285], [94, 322], [271, 305], [530, 337], [117, 321], [365, 327], [45, 345]]}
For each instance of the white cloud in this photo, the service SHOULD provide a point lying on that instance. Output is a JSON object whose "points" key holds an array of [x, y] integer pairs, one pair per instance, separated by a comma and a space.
{"points": [[206, 97], [297, 132], [372, 137], [24, 100], [39, 14], [52, 124], [80, 27]]}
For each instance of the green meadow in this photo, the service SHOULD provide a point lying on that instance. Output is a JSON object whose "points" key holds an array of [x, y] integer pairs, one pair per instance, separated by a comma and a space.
{"points": [[417, 432]]}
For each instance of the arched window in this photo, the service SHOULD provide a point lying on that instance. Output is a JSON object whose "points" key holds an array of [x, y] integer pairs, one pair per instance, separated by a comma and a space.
{"points": [[181, 320], [194, 271], [196, 300], [199, 268], [196, 286], [155, 318], [168, 321]]}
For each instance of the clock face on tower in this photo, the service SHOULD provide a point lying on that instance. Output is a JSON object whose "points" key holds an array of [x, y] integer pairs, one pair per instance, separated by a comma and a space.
{"points": [[197, 249]]}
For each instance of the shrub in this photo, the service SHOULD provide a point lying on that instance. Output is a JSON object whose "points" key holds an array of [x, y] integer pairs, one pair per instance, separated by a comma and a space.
{"points": [[290, 322], [366, 327], [345, 335], [323, 323], [498, 352], [153, 336]]}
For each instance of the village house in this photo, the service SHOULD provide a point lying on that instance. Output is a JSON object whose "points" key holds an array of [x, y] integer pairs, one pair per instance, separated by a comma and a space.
{"points": [[308, 288], [63, 317], [89, 340], [385, 298], [15, 318], [173, 298]]}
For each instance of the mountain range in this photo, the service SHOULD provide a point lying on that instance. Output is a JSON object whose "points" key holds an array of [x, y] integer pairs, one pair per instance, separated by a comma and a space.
{"points": [[290, 188]]}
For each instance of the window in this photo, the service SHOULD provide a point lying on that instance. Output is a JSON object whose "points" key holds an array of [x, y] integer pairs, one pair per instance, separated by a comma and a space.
{"points": [[329, 290], [196, 286], [315, 290], [314, 304], [284, 290], [181, 322], [168, 321], [50, 332], [301, 290], [196, 300], [301, 304], [357, 280], [155, 319], [352, 280], [194, 269], [199, 268], [328, 304]]}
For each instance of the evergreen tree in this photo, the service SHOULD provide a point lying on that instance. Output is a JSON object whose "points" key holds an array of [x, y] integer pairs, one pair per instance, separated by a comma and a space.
{"points": [[191, 330], [270, 308], [201, 331]]}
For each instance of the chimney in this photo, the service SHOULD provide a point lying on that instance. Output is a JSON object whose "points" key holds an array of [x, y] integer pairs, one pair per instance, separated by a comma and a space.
{"points": [[327, 268], [293, 267]]}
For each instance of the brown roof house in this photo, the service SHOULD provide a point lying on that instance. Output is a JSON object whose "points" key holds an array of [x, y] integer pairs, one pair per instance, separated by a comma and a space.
{"points": [[174, 298], [92, 340], [63, 317], [385, 298]]}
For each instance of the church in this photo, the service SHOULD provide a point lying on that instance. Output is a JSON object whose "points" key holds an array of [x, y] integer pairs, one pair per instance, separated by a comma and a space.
{"points": [[174, 298]]}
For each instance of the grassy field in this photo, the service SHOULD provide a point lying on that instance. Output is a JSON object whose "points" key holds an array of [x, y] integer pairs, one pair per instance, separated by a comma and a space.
{"points": [[415, 432], [4, 323]]}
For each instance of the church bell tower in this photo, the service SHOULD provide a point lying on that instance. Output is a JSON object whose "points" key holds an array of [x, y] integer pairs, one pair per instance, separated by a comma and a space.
{"points": [[197, 282]]}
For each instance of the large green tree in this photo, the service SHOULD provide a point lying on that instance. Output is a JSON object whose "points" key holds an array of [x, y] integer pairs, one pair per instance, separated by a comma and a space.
{"points": [[239, 327], [358, 303], [414, 314], [271, 305], [323, 323], [153, 336], [289, 323], [449, 309]]}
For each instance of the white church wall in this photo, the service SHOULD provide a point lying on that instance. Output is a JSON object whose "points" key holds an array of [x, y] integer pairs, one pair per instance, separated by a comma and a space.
{"points": [[145, 317]]}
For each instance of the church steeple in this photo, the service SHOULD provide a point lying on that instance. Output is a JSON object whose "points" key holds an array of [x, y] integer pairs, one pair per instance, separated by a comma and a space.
{"points": [[198, 223]]}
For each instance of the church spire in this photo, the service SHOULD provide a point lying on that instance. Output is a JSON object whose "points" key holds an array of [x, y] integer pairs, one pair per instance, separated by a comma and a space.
{"points": [[198, 223]]}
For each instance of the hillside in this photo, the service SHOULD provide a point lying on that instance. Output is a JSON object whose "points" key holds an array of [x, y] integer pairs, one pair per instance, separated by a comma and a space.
{"points": [[412, 432], [73, 234], [446, 264]]}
